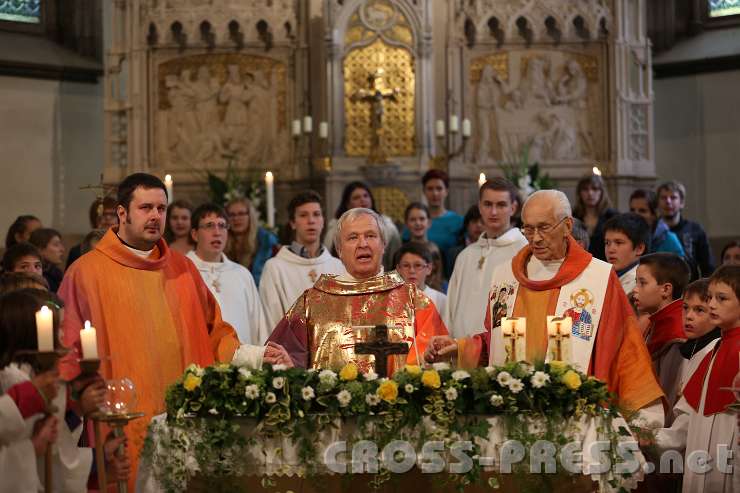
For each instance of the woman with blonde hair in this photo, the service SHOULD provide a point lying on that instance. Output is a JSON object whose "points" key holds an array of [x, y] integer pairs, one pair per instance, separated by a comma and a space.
{"points": [[249, 244], [593, 208]]}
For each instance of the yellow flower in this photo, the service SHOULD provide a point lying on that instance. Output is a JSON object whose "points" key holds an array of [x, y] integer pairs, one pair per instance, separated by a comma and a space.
{"points": [[413, 370], [558, 366], [349, 372], [571, 380], [191, 382], [430, 378], [388, 391]]}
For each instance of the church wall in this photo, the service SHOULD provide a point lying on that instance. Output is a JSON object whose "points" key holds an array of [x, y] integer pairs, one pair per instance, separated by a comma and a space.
{"points": [[697, 142]]}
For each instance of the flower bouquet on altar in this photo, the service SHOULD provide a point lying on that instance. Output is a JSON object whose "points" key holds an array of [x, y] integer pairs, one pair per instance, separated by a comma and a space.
{"points": [[526, 176]]}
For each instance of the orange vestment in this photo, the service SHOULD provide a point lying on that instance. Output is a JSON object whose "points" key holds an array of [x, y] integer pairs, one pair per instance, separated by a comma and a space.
{"points": [[154, 316]]}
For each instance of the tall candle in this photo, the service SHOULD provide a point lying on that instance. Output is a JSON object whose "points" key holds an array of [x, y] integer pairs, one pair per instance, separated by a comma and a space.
{"points": [[454, 124], [440, 128], [481, 179], [323, 130], [270, 187], [45, 329], [89, 341], [296, 127], [466, 130], [168, 184], [307, 124], [559, 325]]}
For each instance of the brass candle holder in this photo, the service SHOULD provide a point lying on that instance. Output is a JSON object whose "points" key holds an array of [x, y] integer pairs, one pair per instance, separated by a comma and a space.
{"points": [[117, 422]]}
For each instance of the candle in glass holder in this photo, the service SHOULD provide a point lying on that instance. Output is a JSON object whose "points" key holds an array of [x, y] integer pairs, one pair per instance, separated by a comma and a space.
{"points": [[558, 331], [270, 188], [89, 341], [45, 329], [514, 330]]}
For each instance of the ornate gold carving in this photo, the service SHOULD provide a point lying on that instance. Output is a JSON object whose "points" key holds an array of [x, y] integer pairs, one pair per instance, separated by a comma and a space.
{"points": [[399, 128], [499, 62], [391, 201]]}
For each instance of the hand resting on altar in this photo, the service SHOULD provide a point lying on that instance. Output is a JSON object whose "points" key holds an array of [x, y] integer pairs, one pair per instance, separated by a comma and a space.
{"points": [[275, 354], [251, 356], [440, 348]]}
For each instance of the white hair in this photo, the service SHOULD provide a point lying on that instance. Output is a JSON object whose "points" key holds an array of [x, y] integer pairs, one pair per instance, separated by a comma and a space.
{"points": [[558, 199], [350, 216]]}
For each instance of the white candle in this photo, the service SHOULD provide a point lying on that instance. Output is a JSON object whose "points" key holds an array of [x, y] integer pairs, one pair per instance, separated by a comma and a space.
{"points": [[307, 124], [454, 124], [440, 128], [270, 187], [45, 329], [559, 325], [89, 341], [596, 171], [168, 184], [466, 128], [481, 179], [511, 324], [323, 130], [296, 127]]}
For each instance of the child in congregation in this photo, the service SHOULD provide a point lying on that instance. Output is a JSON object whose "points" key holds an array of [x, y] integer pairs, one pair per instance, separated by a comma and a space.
{"points": [[705, 428], [701, 331], [661, 280], [44, 413], [626, 238], [418, 223], [414, 263]]}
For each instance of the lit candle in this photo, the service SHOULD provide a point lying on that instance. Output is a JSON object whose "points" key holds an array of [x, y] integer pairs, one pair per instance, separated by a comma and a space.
{"points": [[559, 325], [323, 130], [89, 341], [481, 179], [296, 127], [466, 130], [270, 187], [514, 330], [596, 171], [454, 124], [307, 124], [168, 184], [45, 329], [440, 128]]}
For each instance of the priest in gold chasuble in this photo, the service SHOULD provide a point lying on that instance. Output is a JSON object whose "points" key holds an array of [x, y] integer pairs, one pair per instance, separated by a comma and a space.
{"points": [[327, 320]]}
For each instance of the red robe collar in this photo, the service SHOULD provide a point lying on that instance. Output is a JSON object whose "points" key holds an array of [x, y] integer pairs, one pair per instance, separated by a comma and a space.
{"points": [[576, 261], [724, 369], [666, 327]]}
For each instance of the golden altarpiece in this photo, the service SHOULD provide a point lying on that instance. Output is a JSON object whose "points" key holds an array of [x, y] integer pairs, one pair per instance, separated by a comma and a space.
{"points": [[324, 92]]}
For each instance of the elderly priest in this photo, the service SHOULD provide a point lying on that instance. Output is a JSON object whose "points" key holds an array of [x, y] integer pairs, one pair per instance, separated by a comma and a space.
{"points": [[595, 328], [339, 311]]}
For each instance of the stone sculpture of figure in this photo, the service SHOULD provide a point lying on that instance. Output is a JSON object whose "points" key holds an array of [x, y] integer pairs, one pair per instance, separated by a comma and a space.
{"points": [[260, 116], [487, 95], [235, 94], [561, 137], [536, 84], [572, 86], [205, 90]]}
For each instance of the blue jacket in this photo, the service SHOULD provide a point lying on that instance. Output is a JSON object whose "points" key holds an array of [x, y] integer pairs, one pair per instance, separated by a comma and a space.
{"points": [[664, 240], [265, 243]]}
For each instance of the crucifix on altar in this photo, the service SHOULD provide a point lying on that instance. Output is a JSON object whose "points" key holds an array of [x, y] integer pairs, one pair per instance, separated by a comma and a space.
{"points": [[376, 96], [381, 348]]}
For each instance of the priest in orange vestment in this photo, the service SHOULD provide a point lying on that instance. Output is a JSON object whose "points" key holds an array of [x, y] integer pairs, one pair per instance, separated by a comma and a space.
{"points": [[325, 323], [153, 314], [551, 276]]}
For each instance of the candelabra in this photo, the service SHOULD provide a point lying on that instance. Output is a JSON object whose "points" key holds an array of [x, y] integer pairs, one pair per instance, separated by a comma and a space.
{"points": [[445, 141], [317, 158]]}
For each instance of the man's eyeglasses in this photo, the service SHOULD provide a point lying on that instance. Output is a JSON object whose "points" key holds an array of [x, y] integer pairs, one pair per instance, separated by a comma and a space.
{"points": [[211, 226], [529, 231]]}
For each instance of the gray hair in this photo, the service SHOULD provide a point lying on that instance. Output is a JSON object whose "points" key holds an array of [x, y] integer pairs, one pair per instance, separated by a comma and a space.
{"points": [[350, 216], [558, 199]]}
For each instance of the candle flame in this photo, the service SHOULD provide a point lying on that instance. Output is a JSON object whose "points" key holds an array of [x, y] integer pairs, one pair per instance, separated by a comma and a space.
{"points": [[44, 309], [596, 171], [481, 179], [87, 325], [268, 175]]}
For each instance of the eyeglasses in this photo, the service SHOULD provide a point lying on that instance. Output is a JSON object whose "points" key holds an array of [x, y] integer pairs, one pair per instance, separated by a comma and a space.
{"points": [[238, 214], [529, 231], [211, 226], [415, 267]]}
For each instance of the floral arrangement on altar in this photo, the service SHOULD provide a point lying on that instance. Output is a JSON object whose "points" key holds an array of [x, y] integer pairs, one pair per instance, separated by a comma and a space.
{"points": [[526, 176], [204, 408]]}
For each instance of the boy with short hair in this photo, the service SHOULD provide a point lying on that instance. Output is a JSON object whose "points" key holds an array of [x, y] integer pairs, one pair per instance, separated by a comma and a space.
{"points": [[661, 280], [626, 238], [704, 424], [700, 330], [414, 263]]}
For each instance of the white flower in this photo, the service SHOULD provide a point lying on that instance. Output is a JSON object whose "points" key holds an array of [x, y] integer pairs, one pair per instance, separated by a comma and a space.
{"points": [[527, 368], [409, 388], [344, 398], [328, 377], [491, 370], [460, 375], [516, 385], [539, 379], [503, 378], [213, 411], [245, 374], [370, 376], [270, 398], [372, 399], [441, 366], [451, 393], [251, 391], [195, 370], [279, 367], [278, 382], [496, 400], [307, 393]]}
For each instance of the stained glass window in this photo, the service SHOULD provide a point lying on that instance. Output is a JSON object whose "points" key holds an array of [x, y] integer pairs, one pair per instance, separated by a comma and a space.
{"points": [[28, 11], [722, 8]]}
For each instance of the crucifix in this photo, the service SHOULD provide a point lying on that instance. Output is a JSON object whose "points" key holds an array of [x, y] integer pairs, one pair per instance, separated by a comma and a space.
{"points": [[376, 96], [558, 330], [514, 330], [381, 348]]}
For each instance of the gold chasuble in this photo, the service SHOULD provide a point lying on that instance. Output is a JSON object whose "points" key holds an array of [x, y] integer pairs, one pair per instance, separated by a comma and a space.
{"points": [[325, 323]]}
